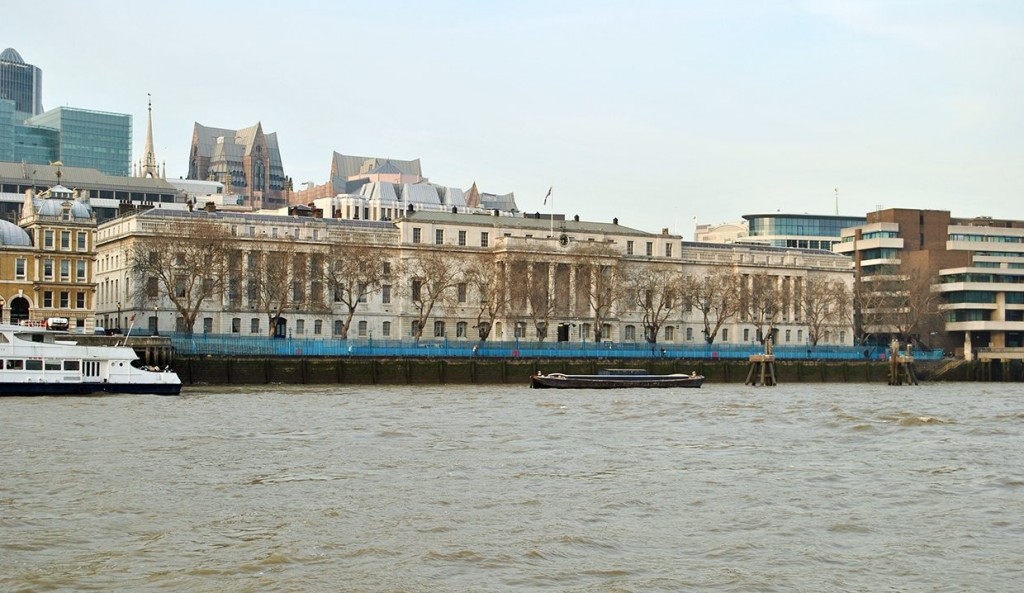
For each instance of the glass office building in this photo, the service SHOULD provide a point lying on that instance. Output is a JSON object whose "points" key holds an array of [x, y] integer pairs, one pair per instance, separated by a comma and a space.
{"points": [[803, 231], [81, 138], [21, 83]]}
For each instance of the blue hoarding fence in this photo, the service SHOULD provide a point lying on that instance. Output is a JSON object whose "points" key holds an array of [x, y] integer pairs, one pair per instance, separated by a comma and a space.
{"points": [[235, 345]]}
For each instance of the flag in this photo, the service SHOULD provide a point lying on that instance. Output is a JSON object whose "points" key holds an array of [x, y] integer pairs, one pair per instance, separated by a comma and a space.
{"points": [[132, 319], [548, 195]]}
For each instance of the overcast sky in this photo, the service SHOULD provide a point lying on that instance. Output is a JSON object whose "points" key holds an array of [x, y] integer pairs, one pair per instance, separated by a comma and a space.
{"points": [[658, 113]]}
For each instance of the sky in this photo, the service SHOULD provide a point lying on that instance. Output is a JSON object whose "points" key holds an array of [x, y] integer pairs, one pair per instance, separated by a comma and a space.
{"points": [[662, 114]]}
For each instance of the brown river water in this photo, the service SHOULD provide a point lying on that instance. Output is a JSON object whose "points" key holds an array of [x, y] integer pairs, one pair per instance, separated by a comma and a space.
{"points": [[811, 488]]}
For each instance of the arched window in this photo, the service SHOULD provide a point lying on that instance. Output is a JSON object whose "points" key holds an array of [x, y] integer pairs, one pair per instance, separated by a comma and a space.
{"points": [[629, 333]]}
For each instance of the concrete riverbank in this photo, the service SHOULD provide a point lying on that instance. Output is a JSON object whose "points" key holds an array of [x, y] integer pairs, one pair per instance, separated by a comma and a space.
{"points": [[413, 371]]}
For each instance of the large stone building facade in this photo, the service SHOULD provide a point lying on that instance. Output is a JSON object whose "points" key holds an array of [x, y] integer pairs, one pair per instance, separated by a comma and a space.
{"points": [[504, 276]]}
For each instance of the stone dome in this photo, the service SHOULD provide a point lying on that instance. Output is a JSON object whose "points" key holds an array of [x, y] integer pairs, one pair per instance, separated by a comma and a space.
{"points": [[12, 235]]}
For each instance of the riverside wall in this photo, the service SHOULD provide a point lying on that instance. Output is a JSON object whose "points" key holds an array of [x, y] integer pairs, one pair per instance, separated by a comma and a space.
{"points": [[218, 370]]}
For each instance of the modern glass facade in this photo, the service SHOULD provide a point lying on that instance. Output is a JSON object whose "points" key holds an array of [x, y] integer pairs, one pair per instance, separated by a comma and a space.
{"points": [[803, 231], [6, 130], [91, 139], [21, 83]]}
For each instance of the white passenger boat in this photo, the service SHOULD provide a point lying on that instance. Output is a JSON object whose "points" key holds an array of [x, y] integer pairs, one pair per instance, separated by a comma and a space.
{"points": [[34, 361]]}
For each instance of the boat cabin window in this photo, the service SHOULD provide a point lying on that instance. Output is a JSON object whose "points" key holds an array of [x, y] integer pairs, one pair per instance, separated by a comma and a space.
{"points": [[71, 365], [15, 365], [33, 365], [52, 365]]}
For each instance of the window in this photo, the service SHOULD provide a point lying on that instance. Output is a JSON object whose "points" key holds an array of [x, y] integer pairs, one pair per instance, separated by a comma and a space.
{"points": [[439, 237], [386, 328], [254, 325], [668, 250], [47, 239], [79, 300], [19, 268], [650, 248], [629, 248], [461, 328], [438, 329], [300, 326], [33, 365], [81, 237], [670, 333], [338, 327], [689, 334], [65, 270], [362, 329], [416, 285], [799, 335], [65, 240], [65, 299], [48, 298], [416, 235], [746, 334], [207, 325], [236, 325], [385, 294], [80, 270], [629, 333], [47, 269], [462, 292], [725, 335], [484, 239], [462, 238], [788, 334], [152, 287], [318, 327], [361, 287]]}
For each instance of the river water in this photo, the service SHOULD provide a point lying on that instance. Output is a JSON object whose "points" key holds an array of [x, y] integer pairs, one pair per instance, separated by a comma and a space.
{"points": [[501, 488]]}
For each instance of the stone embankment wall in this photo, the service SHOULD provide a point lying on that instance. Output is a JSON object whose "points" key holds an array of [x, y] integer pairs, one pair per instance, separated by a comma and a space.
{"points": [[410, 371]]}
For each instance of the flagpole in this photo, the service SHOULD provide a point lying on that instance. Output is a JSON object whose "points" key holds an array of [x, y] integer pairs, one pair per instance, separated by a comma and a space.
{"points": [[551, 213]]}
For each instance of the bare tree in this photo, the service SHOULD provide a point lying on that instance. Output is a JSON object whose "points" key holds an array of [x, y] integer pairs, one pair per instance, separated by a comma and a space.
{"points": [[434, 276], [272, 280], [486, 272], [187, 262], [597, 272], [655, 292], [539, 297], [715, 295], [896, 301], [763, 303], [354, 272], [826, 303]]}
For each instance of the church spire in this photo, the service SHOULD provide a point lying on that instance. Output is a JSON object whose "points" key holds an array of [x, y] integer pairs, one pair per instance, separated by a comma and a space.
{"points": [[148, 167]]}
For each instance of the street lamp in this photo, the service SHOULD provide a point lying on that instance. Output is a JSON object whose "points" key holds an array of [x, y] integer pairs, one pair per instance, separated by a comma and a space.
{"points": [[118, 314], [156, 320]]}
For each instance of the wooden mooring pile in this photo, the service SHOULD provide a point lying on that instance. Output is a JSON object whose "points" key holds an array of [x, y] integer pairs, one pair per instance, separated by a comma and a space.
{"points": [[762, 366], [901, 365]]}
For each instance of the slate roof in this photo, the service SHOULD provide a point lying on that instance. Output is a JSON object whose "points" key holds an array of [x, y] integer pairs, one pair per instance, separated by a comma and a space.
{"points": [[527, 221]]}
